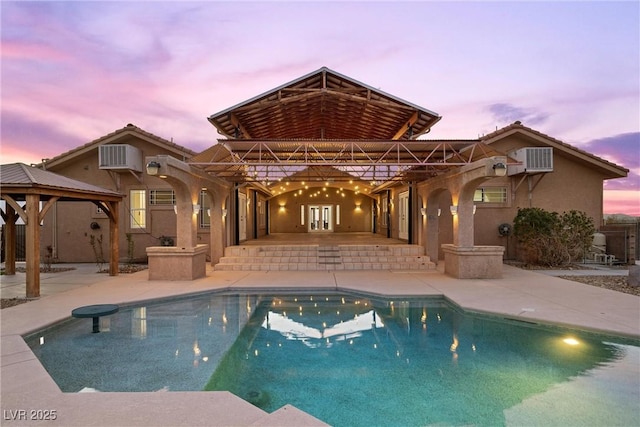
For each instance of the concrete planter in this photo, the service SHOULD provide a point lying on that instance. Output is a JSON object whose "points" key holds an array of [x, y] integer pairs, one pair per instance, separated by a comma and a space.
{"points": [[473, 262], [174, 263]]}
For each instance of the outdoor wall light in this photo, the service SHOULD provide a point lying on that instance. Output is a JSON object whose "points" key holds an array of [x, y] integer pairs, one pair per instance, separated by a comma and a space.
{"points": [[175, 209], [500, 169], [439, 211], [153, 168], [453, 209], [224, 213], [474, 209], [209, 213], [423, 211], [196, 209]]}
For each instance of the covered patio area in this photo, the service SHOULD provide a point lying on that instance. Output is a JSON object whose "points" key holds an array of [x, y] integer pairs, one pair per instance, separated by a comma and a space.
{"points": [[326, 156]]}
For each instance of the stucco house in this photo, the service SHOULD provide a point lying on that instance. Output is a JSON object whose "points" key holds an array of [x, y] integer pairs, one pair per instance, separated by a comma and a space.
{"points": [[320, 155], [116, 162]]}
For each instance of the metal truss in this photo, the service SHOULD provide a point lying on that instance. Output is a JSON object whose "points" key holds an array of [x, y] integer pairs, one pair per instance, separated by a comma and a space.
{"points": [[374, 161]]}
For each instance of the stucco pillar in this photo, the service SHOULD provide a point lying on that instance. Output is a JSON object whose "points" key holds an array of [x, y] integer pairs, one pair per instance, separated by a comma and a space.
{"points": [[217, 223], [463, 224], [462, 258], [187, 195], [433, 226], [187, 260]]}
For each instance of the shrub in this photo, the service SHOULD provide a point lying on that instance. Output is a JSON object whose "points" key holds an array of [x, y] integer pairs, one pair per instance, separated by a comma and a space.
{"points": [[98, 251], [550, 239]]}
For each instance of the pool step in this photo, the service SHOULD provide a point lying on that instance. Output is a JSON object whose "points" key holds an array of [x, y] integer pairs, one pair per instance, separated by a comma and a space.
{"points": [[319, 258]]}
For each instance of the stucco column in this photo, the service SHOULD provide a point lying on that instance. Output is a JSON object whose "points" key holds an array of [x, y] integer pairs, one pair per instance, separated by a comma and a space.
{"points": [[186, 260], [463, 225], [462, 258], [187, 195], [217, 222], [433, 225]]}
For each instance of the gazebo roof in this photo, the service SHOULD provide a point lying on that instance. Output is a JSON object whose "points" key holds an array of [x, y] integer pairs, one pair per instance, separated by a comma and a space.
{"points": [[324, 105], [19, 179], [22, 183]]}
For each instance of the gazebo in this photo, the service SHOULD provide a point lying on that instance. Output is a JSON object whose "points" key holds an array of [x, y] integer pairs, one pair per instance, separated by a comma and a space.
{"points": [[38, 190]]}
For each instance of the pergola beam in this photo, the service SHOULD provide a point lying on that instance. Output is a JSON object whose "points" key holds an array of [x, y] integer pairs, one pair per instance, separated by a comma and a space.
{"points": [[403, 129]]}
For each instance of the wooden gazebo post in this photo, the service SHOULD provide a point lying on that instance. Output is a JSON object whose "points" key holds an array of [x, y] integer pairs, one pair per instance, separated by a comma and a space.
{"points": [[10, 240], [113, 238], [32, 245]]}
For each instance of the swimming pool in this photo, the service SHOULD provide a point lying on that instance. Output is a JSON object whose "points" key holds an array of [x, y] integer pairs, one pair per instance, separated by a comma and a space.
{"points": [[352, 359]]}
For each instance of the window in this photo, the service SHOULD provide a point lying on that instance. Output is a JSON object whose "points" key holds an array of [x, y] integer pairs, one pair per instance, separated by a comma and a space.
{"points": [[138, 208], [162, 197], [490, 195], [204, 219]]}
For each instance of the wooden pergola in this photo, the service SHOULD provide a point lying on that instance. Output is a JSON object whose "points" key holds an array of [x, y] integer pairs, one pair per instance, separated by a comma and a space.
{"points": [[324, 104], [29, 193], [327, 126]]}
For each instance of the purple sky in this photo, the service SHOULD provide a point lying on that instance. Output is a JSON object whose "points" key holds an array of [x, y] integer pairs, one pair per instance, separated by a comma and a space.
{"points": [[75, 71]]}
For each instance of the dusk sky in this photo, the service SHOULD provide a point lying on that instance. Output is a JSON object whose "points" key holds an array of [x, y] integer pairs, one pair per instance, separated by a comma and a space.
{"points": [[75, 71]]}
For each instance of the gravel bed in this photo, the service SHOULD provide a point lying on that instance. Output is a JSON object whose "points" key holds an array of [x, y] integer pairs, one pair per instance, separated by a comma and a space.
{"points": [[614, 283]]}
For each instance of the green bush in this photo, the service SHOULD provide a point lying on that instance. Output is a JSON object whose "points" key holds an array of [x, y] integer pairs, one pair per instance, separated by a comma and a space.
{"points": [[552, 239]]}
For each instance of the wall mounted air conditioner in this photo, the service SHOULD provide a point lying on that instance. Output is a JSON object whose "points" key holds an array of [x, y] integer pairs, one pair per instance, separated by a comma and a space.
{"points": [[120, 156], [531, 160]]}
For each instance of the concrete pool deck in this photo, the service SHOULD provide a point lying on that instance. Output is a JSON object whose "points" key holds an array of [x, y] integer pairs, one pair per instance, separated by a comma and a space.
{"points": [[26, 386]]}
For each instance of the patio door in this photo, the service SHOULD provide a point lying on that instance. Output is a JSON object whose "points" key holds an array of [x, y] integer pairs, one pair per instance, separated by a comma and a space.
{"points": [[320, 218], [403, 215]]}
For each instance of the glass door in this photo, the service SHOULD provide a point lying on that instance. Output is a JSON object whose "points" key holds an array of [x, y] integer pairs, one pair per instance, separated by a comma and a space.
{"points": [[403, 215], [320, 218], [242, 217]]}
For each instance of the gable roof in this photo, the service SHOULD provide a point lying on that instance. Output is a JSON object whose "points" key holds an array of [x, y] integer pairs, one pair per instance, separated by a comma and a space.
{"points": [[178, 150], [609, 169], [324, 105], [19, 179]]}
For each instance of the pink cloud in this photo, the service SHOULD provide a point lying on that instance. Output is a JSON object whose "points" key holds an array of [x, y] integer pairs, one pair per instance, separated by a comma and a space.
{"points": [[33, 138], [624, 202], [623, 150], [26, 50]]}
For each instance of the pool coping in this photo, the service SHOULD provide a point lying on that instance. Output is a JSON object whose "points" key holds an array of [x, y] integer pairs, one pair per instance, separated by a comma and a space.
{"points": [[520, 295]]}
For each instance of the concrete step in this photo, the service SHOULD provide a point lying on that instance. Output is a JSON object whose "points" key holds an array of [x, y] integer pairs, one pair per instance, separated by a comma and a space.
{"points": [[268, 259], [316, 257], [328, 266]]}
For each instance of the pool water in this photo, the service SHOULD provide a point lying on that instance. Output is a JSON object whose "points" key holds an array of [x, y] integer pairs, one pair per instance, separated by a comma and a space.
{"points": [[353, 360]]}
